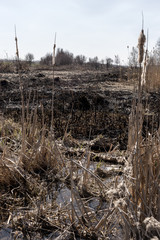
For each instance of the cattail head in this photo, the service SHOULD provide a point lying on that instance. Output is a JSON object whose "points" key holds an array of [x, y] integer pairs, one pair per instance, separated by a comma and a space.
{"points": [[141, 42], [53, 57], [16, 40], [54, 49]]}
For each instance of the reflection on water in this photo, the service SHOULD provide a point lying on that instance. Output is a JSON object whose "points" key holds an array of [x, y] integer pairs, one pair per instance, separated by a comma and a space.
{"points": [[6, 234], [64, 196]]}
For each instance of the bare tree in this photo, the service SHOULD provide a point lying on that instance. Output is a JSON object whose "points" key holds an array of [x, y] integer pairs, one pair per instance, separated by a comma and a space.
{"points": [[64, 57], [156, 53], [29, 58], [133, 57], [94, 62], [47, 59], [80, 59], [109, 62], [117, 60]]}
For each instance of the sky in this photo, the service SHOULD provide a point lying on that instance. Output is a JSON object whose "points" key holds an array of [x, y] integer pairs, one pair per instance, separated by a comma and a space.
{"points": [[102, 28]]}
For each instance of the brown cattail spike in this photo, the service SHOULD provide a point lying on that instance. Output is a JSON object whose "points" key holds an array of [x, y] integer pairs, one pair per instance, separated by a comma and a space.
{"points": [[54, 49], [16, 40], [141, 42]]}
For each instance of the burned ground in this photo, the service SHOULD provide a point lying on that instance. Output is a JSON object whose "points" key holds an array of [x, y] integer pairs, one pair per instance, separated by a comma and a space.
{"points": [[86, 103], [85, 161]]}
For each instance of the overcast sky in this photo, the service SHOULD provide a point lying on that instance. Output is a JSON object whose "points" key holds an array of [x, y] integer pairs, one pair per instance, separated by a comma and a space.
{"points": [[102, 28]]}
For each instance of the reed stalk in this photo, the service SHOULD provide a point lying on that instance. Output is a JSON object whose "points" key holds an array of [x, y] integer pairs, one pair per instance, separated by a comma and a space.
{"points": [[144, 159], [22, 97], [53, 87]]}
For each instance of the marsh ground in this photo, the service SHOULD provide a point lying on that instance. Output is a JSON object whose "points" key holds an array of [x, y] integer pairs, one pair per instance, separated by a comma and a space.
{"points": [[91, 112]]}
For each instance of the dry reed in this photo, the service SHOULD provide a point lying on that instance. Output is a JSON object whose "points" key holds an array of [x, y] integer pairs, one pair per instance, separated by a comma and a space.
{"points": [[135, 197], [143, 199], [52, 105]]}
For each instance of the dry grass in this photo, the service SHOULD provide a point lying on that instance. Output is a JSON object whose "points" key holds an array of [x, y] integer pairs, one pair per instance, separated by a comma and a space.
{"points": [[34, 168], [28, 192]]}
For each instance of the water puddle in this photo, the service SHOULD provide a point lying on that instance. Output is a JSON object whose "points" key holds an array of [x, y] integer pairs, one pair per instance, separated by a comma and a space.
{"points": [[6, 234], [94, 205], [63, 197]]}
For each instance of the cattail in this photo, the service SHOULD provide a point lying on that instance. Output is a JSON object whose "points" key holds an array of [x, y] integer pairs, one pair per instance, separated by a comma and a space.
{"points": [[16, 40], [141, 42], [144, 69], [53, 58], [53, 64], [54, 50]]}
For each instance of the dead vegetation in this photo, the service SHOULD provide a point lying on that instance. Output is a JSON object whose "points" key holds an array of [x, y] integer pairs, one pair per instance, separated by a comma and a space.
{"points": [[46, 192], [58, 185]]}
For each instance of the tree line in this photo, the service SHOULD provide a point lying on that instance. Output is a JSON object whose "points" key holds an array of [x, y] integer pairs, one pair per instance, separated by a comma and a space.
{"points": [[67, 58]]}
